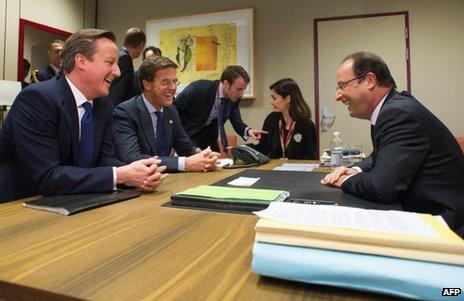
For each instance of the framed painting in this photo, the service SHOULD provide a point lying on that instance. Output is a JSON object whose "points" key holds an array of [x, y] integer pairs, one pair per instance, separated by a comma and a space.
{"points": [[203, 45]]}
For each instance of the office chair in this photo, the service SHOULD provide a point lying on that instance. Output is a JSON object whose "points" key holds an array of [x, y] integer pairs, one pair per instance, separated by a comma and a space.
{"points": [[460, 140]]}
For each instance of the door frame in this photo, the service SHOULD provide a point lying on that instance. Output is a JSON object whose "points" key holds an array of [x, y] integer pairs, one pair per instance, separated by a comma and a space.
{"points": [[22, 28]]}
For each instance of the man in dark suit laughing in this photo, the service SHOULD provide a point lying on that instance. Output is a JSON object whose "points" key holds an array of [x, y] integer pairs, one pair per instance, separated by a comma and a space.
{"points": [[416, 160], [57, 137], [147, 125]]}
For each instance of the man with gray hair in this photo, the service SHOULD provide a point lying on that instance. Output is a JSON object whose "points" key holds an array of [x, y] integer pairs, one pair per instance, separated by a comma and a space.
{"points": [[147, 125], [57, 137], [416, 160]]}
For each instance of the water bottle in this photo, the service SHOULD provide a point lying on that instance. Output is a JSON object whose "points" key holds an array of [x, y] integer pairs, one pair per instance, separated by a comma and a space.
{"points": [[336, 150]]}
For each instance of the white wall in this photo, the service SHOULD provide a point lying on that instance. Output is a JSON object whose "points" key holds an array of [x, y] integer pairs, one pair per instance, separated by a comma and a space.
{"points": [[2, 35], [285, 43], [67, 15]]}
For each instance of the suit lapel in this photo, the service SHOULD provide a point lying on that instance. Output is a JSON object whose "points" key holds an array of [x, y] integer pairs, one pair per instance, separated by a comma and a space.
{"points": [[210, 98], [70, 110], [168, 127], [146, 123], [226, 109], [375, 138]]}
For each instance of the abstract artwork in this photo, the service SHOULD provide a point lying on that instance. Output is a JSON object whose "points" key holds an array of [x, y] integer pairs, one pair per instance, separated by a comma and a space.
{"points": [[203, 45]]}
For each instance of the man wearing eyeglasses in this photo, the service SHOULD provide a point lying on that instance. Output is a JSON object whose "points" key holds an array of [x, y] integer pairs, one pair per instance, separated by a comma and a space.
{"points": [[416, 160], [147, 125]]}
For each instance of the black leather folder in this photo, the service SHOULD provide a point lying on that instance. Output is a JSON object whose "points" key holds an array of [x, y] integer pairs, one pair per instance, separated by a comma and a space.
{"points": [[75, 203]]}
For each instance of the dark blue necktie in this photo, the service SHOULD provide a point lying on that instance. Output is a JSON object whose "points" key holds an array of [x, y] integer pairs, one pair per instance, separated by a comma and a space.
{"points": [[160, 140], [221, 130], [86, 142]]}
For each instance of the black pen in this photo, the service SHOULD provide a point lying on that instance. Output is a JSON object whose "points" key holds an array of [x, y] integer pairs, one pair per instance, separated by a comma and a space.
{"points": [[313, 202]]}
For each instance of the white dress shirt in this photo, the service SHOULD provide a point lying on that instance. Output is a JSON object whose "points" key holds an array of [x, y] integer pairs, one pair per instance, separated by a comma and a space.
{"points": [[80, 99], [154, 119]]}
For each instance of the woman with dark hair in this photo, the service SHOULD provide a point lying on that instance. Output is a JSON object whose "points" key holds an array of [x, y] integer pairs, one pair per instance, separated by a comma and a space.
{"points": [[291, 133]]}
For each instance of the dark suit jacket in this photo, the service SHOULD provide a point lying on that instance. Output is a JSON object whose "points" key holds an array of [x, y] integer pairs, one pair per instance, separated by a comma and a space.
{"points": [[194, 105], [39, 144], [302, 143], [46, 73], [415, 161], [134, 136], [123, 87]]}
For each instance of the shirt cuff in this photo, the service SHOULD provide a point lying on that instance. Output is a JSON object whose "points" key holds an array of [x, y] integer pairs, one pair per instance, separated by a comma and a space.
{"points": [[181, 163], [349, 176], [245, 134], [115, 178], [357, 168]]}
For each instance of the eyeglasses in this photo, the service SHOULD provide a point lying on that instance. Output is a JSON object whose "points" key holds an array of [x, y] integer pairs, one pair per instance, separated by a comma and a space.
{"points": [[343, 85], [167, 82]]}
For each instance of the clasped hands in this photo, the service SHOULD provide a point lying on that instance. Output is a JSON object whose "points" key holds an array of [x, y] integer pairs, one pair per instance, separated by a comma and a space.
{"points": [[337, 176], [204, 160], [144, 174]]}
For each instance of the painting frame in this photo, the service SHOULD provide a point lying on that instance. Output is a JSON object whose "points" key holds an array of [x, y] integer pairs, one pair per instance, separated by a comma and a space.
{"points": [[242, 19]]}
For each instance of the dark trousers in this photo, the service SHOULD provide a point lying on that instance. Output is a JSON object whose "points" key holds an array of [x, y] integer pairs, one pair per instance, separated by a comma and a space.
{"points": [[207, 136]]}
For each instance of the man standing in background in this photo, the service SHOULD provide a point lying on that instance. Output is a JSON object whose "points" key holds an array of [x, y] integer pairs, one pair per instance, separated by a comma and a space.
{"points": [[204, 106], [54, 50], [125, 87]]}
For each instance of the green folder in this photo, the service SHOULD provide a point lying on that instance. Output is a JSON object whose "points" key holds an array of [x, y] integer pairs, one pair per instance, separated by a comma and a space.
{"points": [[228, 198]]}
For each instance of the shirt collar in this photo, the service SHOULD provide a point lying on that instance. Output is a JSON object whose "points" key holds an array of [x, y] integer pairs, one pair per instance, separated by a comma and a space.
{"points": [[78, 96], [150, 107], [375, 114], [56, 70]]}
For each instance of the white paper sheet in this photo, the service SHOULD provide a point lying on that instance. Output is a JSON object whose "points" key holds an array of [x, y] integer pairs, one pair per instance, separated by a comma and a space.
{"points": [[296, 167], [224, 162], [388, 221], [243, 181]]}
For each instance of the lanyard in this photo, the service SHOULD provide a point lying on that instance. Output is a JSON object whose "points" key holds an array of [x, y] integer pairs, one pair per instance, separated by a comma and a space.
{"points": [[285, 139]]}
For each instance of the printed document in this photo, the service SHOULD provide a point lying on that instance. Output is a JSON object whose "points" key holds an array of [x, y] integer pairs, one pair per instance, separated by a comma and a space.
{"points": [[388, 221], [296, 167]]}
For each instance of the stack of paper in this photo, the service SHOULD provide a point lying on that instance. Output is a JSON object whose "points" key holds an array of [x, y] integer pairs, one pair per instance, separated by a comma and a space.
{"points": [[400, 253]]}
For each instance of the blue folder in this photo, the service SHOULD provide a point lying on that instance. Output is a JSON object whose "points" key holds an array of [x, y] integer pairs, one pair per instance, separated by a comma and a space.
{"points": [[388, 275]]}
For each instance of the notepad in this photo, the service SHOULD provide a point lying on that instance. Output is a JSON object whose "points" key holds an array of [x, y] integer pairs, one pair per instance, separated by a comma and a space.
{"points": [[243, 181], [228, 198]]}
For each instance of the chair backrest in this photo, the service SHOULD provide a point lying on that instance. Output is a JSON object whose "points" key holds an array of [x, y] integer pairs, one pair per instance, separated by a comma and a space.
{"points": [[8, 91], [460, 140], [231, 141]]}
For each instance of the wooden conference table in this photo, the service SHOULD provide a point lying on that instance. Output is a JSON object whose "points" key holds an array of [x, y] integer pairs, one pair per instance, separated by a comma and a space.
{"points": [[140, 250]]}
